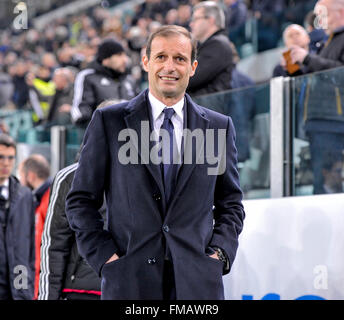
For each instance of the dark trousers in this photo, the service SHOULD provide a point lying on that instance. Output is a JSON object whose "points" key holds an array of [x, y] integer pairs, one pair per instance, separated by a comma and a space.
{"points": [[169, 287]]}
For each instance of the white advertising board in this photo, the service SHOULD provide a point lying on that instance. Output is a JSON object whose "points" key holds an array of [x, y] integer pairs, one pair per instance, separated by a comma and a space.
{"points": [[290, 248]]}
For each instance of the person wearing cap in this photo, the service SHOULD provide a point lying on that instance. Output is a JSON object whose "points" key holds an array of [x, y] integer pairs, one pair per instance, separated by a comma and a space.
{"points": [[105, 78]]}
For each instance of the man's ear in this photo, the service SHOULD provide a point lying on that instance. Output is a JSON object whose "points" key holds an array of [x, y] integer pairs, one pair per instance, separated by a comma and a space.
{"points": [[145, 61], [30, 176], [193, 68]]}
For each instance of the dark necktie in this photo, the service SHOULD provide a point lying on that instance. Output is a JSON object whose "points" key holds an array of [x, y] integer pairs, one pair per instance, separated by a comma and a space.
{"points": [[168, 168], [2, 199]]}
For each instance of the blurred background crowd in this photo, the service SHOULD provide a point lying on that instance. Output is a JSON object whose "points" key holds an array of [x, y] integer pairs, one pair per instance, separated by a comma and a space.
{"points": [[31, 58]]}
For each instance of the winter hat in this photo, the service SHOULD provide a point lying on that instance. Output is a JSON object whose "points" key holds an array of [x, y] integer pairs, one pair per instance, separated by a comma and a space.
{"points": [[108, 48]]}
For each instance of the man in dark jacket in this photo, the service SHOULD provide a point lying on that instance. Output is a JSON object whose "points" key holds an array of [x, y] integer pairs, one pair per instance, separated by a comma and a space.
{"points": [[104, 79], [59, 112], [215, 57], [64, 273], [324, 120], [17, 229], [332, 54], [34, 173]]}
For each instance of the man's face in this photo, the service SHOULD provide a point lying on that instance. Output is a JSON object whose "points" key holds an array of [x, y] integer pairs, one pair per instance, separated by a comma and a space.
{"points": [[296, 36], [7, 161], [169, 67], [330, 15], [60, 80], [117, 62], [199, 24]]}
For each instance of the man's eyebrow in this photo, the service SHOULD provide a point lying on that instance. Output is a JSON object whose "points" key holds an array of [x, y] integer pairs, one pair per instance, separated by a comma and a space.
{"points": [[175, 55], [182, 55], [159, 53]]}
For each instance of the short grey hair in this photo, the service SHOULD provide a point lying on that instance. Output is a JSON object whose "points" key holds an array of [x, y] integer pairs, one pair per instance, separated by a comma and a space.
{"points": [[212, 9]]}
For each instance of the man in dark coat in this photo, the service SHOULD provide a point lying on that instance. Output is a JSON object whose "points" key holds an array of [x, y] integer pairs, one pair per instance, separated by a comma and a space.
{"points": [[17, 229], [105, 78], [173, 227], [64, 273], [324, 120], [332, 54], [215, 56], [59, 112]]}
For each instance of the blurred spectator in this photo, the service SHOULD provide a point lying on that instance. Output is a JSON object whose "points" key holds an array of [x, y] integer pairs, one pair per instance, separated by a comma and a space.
{"points": [[49, 61], [332, 54], [317, 36], [171, 16], [6, 89], [236, 15], [295, 11], [269, 15], [184, 12], [17, 229], [240, 107], [67, 57], [154, 9], [21, 90], [61, 106], [323, 116], [105, 78], [65, 274], [293, 35], [212, 74], [137, 38], [239, 79], [41, 93], [34, 173]]}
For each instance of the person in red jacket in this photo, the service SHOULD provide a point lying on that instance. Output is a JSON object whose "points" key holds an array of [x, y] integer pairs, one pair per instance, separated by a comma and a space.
{"points": [[34, 173]]}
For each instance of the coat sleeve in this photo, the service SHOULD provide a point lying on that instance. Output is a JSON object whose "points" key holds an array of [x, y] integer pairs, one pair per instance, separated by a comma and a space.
{"points": [[84, 100], [57, 240], [86, 197], [229, 211], [317, 63]]}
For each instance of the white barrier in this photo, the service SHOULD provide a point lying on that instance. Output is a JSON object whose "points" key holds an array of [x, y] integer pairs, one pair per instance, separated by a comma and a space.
{"points": [[290, 248]]}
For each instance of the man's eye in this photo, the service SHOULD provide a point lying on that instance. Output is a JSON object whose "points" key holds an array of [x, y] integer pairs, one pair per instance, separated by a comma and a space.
{"points": [[180, 59]]}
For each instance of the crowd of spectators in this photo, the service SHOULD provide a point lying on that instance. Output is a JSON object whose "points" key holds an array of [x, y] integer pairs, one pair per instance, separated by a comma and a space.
{"points": [[29, 58]]}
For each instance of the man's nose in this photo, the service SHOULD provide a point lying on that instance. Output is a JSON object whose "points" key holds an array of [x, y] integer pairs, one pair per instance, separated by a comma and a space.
{"points": [[169, 64]]}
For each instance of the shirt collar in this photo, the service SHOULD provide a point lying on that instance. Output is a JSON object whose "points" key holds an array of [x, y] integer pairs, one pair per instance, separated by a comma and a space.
{"points": [[5, 188], [158, 107], [6, 183]]}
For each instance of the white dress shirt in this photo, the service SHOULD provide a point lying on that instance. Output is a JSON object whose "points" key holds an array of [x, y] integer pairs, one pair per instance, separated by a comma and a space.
{"points": [[177, 118], [5, 189]]}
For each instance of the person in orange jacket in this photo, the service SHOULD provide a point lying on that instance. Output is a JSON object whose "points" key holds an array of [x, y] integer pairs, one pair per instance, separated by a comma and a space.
{"points": [[34, 173]]}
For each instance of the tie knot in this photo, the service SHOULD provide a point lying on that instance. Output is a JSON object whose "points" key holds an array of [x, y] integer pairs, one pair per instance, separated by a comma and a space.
{"points": [[169, 112]]}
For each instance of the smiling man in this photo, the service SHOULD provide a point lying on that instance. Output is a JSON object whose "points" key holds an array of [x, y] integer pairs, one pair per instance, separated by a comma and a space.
{"points": [[161, 241]]}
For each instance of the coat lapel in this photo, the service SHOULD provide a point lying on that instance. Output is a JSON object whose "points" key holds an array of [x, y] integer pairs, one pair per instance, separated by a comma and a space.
{"points": [[138, 114], [195, 119]]}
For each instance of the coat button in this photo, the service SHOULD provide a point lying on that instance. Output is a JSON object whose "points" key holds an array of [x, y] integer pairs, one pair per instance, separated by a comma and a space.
{"points": [[166, 228], [151, 261], [157, 196]]}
